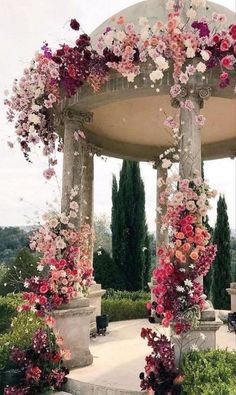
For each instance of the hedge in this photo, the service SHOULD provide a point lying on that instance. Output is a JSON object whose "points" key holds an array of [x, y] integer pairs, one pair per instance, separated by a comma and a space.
{"points": [[124, 309], [210, 372]]}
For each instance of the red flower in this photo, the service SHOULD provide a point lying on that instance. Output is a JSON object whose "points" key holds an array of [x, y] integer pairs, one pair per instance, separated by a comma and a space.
{"points": [[225, 45], [224, 76], [74, 24], [216, 38], [233, 31], [33, 373], [43, 289]]}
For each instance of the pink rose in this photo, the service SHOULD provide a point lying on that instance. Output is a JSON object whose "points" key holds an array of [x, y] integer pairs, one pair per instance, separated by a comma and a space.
{"points": [[225, 45]]}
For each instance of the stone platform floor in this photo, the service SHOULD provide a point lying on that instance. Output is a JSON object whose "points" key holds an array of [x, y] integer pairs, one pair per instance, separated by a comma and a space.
{"points": [[119, 358]]}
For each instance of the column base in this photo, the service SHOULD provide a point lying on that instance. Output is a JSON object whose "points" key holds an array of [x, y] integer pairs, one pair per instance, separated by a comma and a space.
{"points": [[232, 292], [95, 299], [72, 322], [201, 338]]}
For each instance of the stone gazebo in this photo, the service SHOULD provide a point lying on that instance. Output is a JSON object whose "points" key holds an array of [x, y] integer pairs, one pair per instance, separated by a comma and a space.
{"points": [[125, 120]]}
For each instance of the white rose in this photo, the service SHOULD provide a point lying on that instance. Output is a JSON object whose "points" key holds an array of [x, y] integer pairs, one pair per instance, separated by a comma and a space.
{"points": [[201, 67], [161, 62], [131, 77], [190, 53], [120, 35], [156, 75], [205, 55]]}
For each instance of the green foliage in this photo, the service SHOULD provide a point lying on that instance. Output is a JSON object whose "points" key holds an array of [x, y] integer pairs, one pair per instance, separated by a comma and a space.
{"points": [[24, 266], [118, 295], [124, 309], [209, 373], [222, 266], [23, 327], [129, 228], [8, 305], [12, 239], [105, 271]]}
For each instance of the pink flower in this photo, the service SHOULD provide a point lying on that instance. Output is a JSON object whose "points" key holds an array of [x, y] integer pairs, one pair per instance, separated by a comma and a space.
{"points": [[228, 62], [49, 173], [224, 76], [187, 105], [225, 45], [175, 90], [200, 120]]}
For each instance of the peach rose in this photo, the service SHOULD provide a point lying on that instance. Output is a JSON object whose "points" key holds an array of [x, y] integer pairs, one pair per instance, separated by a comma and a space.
{"points": [[194, 255]]}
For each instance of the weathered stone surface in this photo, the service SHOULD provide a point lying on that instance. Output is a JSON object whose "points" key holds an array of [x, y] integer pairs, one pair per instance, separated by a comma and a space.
{"points": [[232, 292], [95, 297], [73, 323]]}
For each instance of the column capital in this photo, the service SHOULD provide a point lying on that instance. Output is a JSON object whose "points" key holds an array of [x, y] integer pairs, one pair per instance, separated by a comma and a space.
{"points": [[200, 92], [77, 118]]}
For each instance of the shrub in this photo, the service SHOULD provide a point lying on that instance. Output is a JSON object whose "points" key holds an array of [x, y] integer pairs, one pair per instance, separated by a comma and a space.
{"points": [[23, 327], [124, 309], [24, 266], [118, 295], [209, 372], [8, 305]]}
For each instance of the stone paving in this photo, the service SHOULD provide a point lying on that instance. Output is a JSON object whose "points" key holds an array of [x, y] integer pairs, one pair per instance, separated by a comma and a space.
{"points": [[119, 358]]}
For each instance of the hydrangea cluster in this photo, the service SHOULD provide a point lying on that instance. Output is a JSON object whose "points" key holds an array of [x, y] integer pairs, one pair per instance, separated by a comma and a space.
{"points": [[189, 45], [188, 255]]}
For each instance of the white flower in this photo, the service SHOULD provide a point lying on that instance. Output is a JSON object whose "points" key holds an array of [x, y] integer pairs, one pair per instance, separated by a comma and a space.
{"points": [[40, 268], [64, 219], [144, 34], [34, 119], [108, 38], [53, 222], [198, 3], [120, 35], [190, 53], [194, 347], [179, 288], [162, 63], [131, 77], [156, 75], [202, 336], [191, 13], [201, 67], [166, 163], [26, 284], [60, 244], [205, 55], [188, 283]]}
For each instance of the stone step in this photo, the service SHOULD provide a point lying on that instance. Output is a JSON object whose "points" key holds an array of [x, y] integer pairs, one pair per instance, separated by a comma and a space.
{"points": [[76, 387]]}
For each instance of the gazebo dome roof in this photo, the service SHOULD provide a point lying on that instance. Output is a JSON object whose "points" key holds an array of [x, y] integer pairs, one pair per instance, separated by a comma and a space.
{"points": [[155, 10], [127, 122]]}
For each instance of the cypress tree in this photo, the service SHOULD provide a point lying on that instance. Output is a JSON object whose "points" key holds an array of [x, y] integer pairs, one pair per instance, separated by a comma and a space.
{"points": [[128, 225], [207, 280], [222, 266]]}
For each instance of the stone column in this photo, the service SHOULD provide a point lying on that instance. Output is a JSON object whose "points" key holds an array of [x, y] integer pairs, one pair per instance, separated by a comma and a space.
{"points": [[73, 160], [73, 319], [190, 164], [87, 204], [161, 236]]}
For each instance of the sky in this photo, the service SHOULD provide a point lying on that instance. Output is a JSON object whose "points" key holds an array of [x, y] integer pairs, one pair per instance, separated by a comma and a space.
{"points": [[24, 193]]}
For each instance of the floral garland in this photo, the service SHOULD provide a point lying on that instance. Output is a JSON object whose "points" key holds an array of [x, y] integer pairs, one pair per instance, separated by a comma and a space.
{"points": [[66, 273], [189, 255], [122, 47]]}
